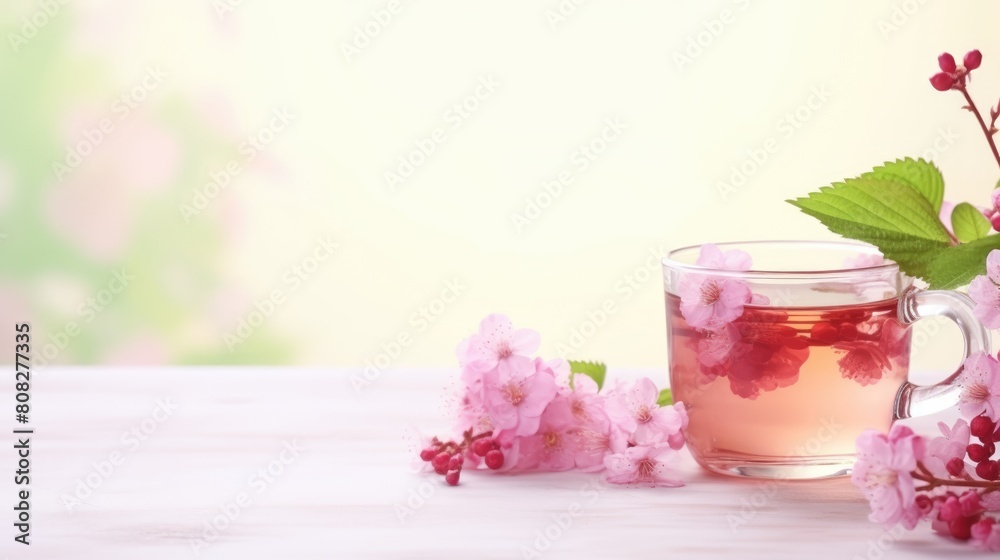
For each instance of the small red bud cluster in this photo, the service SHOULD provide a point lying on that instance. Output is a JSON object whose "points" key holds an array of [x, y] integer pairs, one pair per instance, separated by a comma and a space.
{"points": [[981, 453], [448, 457], [953, 76]]}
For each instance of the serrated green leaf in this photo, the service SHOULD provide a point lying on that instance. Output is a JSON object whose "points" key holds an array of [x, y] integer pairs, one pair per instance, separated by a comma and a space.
{"points": [[593, 370], [921, 175], [956, 266], [666, 398], [968, 223], [894, 217]]}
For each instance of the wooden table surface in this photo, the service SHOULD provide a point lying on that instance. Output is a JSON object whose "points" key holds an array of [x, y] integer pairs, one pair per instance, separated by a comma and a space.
{"points": [[295, 463]]}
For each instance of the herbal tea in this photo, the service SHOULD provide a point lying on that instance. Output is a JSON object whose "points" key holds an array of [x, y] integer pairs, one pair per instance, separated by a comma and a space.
{"points": [[795, 385]]}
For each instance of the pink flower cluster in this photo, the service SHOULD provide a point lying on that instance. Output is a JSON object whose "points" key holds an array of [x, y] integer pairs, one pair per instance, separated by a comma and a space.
{"points": [[949, 480], [540, 416]]}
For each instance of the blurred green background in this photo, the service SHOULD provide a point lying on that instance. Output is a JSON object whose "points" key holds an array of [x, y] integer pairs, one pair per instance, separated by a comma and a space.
{"points": [[210, 181]]}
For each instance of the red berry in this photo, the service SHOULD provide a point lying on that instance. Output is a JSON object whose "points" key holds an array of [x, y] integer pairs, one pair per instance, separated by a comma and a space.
{"points": [[440, 462], [955, 466], [455, 463], [961, 528], [482, 446], [977, 453], [428, 454], [824, 332], [995, 221], [982, 427], [452, 477], [848, 331], [986, 470], [972, 59], [990, 448], [942, 81], [947, 63], [494, 459]]}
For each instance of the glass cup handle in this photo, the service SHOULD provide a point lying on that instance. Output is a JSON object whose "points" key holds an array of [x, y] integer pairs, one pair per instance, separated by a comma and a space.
{"points": [[919, 400]]}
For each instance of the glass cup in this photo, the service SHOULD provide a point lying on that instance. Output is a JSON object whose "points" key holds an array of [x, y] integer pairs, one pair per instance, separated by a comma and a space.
{"points": [[782, 386]]}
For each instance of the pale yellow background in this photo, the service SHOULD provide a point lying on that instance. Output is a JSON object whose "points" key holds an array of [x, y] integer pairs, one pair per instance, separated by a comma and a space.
{"points": [[656, 186]]}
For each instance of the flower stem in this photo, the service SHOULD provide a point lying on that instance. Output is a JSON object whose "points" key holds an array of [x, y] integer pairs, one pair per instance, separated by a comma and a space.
{"points": [[924, 475], [982, 124]]}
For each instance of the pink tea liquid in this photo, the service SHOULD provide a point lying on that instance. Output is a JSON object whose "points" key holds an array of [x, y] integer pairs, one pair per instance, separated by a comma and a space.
{"points": [[787, 386]]}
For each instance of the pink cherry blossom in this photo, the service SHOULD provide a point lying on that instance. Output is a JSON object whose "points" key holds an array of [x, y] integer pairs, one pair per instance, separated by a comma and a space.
{"points": [[993, 265], [637, 413], [553, 447], [864, 260], [497, 345], [712, 302], [986, 534], [980, 382], [642, 464], [985, 291], [883, 473], [710, 256], [515, 396], [946, 447]]}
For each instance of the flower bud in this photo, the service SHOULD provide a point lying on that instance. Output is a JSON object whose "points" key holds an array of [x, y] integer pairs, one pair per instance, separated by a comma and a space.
{"points": [[947, 63], [972, 59], [942, 81]]}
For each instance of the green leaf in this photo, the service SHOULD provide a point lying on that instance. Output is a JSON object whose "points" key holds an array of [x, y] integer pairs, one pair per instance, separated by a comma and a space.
{"points": [[921, 175], [666, 398], [887, 213], [593, 370], [968, 223], [956, 266]]}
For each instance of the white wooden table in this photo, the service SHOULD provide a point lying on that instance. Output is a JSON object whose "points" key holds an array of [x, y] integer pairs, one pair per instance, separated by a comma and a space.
{"points": [[340, 473]]}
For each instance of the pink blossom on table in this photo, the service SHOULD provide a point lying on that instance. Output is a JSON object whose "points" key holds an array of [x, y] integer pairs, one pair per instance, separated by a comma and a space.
{"points": [[553, 447], [516, 395], [676, 439], [980, 383], [712, 302], [585, 403], [647, 465], [636, 412], [986, 534], [497, 345], [710, 256], [950, 445], [883, 473]]}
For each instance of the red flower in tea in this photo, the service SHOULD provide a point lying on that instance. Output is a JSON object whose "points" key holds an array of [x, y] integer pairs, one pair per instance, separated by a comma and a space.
{"points": [[863, 362]]}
